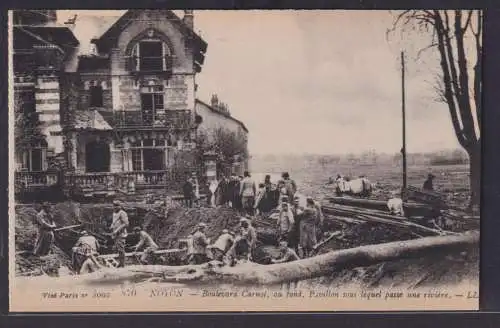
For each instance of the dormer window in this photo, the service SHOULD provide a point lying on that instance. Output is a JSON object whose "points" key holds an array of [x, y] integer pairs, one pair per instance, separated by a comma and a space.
{"points": [[151, 55]]}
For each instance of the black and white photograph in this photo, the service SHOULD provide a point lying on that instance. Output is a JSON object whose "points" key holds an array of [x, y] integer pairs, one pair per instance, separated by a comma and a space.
{"points": [[244, 160]]}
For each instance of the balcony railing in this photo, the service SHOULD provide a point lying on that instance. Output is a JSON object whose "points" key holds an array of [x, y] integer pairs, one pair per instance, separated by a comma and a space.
{"points": [[123, 182], [29, 180], [173, 119]]}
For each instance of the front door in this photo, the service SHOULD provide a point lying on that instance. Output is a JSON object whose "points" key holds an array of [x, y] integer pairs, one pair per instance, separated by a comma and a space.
{"points": [[97, 156]]}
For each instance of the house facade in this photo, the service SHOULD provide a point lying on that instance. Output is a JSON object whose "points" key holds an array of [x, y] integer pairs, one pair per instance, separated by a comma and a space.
{"points": [[40, 50], [119, 105], [216, 118]]}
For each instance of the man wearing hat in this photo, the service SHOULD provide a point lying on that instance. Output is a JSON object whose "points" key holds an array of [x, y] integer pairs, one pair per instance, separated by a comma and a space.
{"points": [[200, 243], [285, 222], [289, 185], [248, 190], [85, 246], [222, 245], [428, 184], [146, 240], [46, 225], [118, 228], [245, 242]]}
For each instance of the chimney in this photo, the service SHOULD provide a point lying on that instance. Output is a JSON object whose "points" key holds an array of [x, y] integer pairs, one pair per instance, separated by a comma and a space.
{"points": [[214, 101], [188, 18]]}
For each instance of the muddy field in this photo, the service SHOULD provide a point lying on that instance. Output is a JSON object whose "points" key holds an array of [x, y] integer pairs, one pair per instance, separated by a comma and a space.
{"points": [[312, 177]]}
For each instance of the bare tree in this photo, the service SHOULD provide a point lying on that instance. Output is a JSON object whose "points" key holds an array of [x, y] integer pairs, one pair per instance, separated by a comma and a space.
{"points": [[451, 34]]}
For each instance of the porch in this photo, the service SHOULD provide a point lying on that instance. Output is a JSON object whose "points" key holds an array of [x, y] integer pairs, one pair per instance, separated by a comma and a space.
{"points": [[32, 181], [108, 184]]}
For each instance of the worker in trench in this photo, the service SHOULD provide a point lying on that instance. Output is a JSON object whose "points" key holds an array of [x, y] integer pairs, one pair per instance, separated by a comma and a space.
{"points": [[244, 243], [285, 222], [287, 254], [222, 245], [146, 241], [118, 228], [308, 228], [85, 246], [297, 211], [199, 245], [46, 226]]}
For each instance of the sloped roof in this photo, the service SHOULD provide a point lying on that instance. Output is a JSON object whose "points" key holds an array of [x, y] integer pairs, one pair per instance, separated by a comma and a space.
{"points": [[222, 114], [170, 15], [90, 120], [89, 27]]}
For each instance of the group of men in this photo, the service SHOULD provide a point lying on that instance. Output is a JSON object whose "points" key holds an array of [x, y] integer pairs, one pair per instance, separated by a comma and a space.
{"points": [[301, 227], [230, 246]]}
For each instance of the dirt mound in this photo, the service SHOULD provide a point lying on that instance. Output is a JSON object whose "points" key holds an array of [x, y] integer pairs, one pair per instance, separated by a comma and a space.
{"points": [[180, 222], [25, 237]]}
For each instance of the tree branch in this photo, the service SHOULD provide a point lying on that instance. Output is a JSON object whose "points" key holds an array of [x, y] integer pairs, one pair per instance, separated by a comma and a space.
{"points": [[464, 97], [447, 79], [478, 67]]}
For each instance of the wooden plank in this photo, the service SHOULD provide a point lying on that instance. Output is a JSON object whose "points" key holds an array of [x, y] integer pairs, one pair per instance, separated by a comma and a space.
{"points": [[411, 209], [158, 252]]}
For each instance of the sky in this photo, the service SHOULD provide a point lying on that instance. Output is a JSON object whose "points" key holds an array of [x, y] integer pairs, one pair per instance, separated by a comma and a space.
{"points": [[325, 82]]}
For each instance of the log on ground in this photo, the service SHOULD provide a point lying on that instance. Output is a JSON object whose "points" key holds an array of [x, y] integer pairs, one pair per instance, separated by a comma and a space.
{"points": [[317, 266]]}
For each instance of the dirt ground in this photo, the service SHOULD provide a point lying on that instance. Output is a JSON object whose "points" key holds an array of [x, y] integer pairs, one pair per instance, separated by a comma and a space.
{"points": [[179, 222]]}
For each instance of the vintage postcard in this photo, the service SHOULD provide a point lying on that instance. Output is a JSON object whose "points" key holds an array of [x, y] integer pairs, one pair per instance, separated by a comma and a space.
{"points": [[190, 160]]}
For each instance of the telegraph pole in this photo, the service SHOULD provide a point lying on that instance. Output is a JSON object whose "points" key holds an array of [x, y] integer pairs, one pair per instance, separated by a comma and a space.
{"points": [[403, 150]]}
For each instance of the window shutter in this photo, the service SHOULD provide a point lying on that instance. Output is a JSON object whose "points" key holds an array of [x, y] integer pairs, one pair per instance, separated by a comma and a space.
{"points": [[164, 55], [25, 161], [44, 159], [135, 57]]}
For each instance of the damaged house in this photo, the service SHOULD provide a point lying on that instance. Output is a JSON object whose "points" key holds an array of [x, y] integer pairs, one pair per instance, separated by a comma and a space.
{"points": [[112, 99]]}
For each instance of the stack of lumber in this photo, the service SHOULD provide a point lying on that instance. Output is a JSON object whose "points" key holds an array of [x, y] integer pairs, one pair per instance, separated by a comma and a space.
{"points": [[380, 217], [411, 209]]}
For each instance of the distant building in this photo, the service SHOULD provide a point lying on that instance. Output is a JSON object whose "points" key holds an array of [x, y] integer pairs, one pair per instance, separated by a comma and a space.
{"points": [[216, 116], [113, 98]]}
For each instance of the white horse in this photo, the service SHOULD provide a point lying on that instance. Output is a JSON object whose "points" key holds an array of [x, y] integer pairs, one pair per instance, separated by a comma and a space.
{"points": [[361, 186]]}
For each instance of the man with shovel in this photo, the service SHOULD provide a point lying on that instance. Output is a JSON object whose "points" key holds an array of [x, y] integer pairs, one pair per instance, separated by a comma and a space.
{"points": [[118, 228]]}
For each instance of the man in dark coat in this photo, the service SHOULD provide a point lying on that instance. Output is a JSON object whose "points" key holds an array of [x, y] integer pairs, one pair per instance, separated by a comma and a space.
{"points": [[188, 191], [428, 184]]}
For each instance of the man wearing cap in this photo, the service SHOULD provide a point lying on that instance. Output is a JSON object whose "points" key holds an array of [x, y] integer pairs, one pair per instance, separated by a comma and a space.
{"points": [[297, 212], [46, 226], [196, 188], [289, 185], [188, 191], [287, 254], [285, 223], [308, 227], [248, 191], [84, 247], [118, 228], [147, 241], [222, 245], [245, 242], [200, 243], [428, 184]]}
